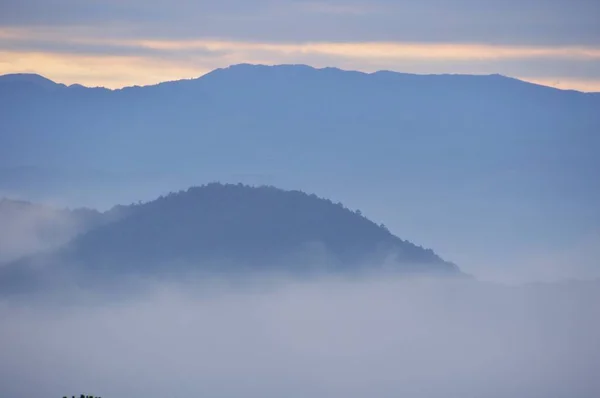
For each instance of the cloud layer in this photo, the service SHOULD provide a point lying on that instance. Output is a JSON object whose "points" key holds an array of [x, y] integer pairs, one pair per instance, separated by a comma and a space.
{"points": [[551, 42], [327, 338], [536, 22]]}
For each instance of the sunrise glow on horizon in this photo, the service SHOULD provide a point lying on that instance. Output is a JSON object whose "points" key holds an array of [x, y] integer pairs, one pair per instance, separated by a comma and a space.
{"points": [[120, 44]]}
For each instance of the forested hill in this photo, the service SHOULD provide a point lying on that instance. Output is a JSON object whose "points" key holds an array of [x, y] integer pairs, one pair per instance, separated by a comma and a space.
{"points": [[231, 228]]}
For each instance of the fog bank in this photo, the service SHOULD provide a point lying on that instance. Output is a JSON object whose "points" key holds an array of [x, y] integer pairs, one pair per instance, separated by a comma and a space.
{"points": [[327, 338]]}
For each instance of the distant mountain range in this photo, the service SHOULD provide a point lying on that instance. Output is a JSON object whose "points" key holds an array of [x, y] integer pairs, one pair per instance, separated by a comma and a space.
{"points": [[217, 229], [480, 167]]}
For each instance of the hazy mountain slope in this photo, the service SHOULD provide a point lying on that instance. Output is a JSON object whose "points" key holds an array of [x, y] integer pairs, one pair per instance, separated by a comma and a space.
{"points": [[485, 165], [80, 186], [232, 228], [286, 110], [27, 228]]}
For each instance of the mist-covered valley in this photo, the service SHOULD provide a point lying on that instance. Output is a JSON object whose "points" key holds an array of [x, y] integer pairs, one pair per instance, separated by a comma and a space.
{"points": [[334, 337], [299, 199], [371, 235], [485, 169], [230, 290]]}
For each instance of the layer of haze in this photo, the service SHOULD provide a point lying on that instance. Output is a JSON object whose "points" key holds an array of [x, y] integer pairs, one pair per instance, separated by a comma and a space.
{"points": [[27, 229], [33, 229], [379, 337]]}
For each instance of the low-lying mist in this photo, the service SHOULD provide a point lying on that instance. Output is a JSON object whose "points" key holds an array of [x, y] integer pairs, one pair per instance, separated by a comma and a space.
{"points": [[26, 229], [326, 337]]}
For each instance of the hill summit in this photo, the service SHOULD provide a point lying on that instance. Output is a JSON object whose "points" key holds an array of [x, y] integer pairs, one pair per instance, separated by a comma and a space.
{"points": [[231, 228]]}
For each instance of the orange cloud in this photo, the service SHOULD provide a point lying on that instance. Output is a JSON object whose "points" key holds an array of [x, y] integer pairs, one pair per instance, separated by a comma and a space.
{"points": [[567, 83], [176, 59], [379, 50], [93, 71]]}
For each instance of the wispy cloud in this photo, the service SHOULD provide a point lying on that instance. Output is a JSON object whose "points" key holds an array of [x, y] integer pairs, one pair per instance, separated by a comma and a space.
{"points": [[379, 50], [373, 49], [543, 22], [114, 61]]}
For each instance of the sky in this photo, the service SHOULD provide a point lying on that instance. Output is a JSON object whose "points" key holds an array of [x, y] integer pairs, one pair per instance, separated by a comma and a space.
{"points": [[117, 43]]}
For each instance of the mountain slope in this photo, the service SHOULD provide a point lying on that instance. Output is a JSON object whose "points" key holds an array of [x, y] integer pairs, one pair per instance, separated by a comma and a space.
{"points": [[232, 229], [484, 165], [20, 80], [291, 107]]}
